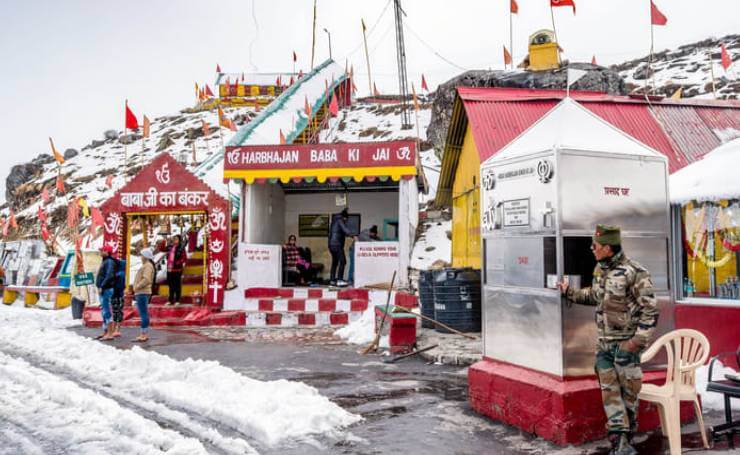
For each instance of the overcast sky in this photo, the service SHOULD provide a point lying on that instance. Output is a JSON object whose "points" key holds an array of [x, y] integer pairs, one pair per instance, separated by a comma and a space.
{"points": [[69, 65]]}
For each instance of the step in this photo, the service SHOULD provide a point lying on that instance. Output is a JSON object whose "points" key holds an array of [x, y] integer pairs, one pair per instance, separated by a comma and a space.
{"points": [[162, 299], [283, 319], [195, 261], [300, 305], [198, 254], [192, 279], [313, 293], [193, 269], [187, 289]]}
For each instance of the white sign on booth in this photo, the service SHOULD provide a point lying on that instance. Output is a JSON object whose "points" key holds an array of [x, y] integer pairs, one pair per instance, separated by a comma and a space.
{"points": [[375, 262], [260, 265]]}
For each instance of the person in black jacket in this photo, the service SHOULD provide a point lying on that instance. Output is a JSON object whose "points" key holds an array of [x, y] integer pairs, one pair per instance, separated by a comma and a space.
{"points": [[106, 283], [338, 232], [176, 260]]}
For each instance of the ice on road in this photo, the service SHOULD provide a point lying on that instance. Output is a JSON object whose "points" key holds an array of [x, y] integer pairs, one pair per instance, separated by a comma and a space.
{"points": [[54, 379]]}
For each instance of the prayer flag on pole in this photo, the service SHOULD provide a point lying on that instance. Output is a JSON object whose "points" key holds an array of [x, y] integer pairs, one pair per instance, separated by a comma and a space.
{"points": [[513, 7], [656, 17], [306, 106], [334, 106], [416, 100], [295, 57], [282, 137], [45, 195], [60, 184], [208, 91], [109, 181], [131, 122], [677, 94], [12, 220], [147, 127], [424, 85], [57, 156], [218, 68], [593, 60], [556, 3], [204, 126], [726, 59], [507, 57], [82, 202]]}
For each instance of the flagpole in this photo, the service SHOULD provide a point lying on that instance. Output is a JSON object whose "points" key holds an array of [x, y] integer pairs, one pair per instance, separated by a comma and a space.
{"points": [[125, 150], [554, 31], [367, 59], [711, 71], [511, 35], [313, 34]]}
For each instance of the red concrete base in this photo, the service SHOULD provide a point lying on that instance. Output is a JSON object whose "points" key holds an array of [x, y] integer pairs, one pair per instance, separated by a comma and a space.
{"points": [[170, 316], [718, 323], [564, 411]]}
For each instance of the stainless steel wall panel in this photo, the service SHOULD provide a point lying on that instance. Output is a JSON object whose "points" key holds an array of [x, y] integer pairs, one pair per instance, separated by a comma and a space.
{"points": [[589, 184], [523, 327], [651, 253]]}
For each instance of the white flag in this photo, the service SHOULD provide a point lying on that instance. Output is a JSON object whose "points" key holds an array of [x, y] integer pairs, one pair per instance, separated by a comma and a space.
{"points": [[574, 74]]}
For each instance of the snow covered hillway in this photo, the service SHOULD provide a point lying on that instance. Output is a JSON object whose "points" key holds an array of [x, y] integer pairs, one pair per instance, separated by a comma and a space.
{"points": [[63, 393]]}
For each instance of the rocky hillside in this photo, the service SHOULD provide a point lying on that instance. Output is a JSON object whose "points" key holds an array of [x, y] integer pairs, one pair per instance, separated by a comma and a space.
{"points": [[689, 67]]}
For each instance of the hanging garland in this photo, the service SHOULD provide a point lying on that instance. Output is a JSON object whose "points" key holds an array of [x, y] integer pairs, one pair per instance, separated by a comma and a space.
{"points": [[715, 264], [727, 243]]}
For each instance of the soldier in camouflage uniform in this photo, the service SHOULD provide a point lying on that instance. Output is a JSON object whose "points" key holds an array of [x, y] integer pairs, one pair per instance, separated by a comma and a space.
{"points": [[626, 316]]}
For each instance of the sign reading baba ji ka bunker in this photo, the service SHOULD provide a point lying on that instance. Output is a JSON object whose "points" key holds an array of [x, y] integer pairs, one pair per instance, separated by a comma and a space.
{"points": [[165, 187]]}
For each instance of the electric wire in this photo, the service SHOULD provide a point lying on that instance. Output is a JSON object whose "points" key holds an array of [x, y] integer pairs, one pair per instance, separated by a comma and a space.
{"points": [[430, 48], [369, 32]]}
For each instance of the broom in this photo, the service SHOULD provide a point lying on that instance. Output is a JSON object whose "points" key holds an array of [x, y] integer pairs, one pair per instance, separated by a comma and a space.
{"points": [[374, 345]]}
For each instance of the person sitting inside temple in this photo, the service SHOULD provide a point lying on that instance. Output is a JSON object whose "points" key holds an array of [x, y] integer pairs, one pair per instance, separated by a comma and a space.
{"points": [[296, 267]]}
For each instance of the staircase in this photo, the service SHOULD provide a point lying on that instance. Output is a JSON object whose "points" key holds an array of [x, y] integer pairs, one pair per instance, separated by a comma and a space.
{"points": [[192, 281]]}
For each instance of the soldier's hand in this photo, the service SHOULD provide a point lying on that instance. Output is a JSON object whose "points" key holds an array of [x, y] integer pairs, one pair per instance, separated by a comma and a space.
{"points": [[563, 286]]}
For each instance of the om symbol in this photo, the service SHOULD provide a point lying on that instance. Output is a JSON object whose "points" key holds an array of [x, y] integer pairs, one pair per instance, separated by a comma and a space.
{"points": [[217, 220], [113, 224]]}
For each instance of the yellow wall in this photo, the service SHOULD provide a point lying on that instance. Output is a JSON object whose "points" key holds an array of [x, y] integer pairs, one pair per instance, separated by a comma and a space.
{"points": [[466, 207], [543, 57]]}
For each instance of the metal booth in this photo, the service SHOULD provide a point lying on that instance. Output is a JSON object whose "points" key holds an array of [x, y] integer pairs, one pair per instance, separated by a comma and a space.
{"points": [[541, 197]]}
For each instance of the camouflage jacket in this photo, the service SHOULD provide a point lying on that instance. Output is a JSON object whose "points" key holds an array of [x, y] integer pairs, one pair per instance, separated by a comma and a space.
{"points": [[622, 291]]}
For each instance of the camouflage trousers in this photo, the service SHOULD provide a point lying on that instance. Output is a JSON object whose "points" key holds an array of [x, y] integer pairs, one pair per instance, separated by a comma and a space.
{"points": [[620, 378]]}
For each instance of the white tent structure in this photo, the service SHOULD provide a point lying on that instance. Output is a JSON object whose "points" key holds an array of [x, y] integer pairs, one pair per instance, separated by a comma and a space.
{"points": [[712, 178]]}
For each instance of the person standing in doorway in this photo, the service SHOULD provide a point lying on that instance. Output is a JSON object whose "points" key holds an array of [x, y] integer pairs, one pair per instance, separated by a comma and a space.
{"points": [[338, 233], [142, 289], [106, 283], [176, 259], [626, 317]]}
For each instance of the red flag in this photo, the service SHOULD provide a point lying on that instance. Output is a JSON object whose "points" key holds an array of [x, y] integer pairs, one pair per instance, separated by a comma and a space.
{"points": [[218, 68], [334, 106], [282, 137], [42, 215], [555, 3], [60, 184], [6, 225], [204, 126], [231, 124], [109, 181], [424, 85], [375, 90], [291, 80], [73, 214], [44, 233], [593, 60], [656, 17], [45, 195], [726, 59], [306, 106], [295, 57], [97, 219], [12, 220], [256, 105], [242, 77], [208, 91], [354, 87], [507, 57], [513, 7], [131, 122], [300, 74]]}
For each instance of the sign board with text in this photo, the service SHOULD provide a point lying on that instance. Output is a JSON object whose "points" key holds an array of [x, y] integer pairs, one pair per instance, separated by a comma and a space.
{"points": [[375, 262], [260, 265], [516, 213], [84, 279]]}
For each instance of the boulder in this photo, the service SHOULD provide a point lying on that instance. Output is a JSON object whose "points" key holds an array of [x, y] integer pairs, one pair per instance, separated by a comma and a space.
{"points": [[70, 153], [23, 173], [110, 134], [598, 79]]}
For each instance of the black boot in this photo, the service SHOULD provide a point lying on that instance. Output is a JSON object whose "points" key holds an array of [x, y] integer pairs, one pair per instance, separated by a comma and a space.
{"points": [[621, 445]]}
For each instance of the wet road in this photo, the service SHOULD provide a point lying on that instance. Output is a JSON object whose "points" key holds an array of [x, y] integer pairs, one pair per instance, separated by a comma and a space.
{"points": [[408, 407]]}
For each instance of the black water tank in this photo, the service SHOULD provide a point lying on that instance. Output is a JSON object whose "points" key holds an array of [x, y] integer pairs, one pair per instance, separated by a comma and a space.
{"points": [[426, 296], [457, 299]]}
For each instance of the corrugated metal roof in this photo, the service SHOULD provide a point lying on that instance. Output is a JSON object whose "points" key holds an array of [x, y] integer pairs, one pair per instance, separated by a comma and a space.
{"points": [[683, 131]]}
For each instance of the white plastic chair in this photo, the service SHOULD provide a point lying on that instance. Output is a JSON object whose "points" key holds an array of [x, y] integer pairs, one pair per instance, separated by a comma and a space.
{"points": [[687, 350]]}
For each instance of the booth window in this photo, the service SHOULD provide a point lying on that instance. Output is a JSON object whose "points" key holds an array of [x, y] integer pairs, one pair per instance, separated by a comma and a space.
{"points": [[390, 229], [711, 243], [578, 259]]}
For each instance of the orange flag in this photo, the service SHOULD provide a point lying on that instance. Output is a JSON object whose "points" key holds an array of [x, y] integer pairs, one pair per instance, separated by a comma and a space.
{"points": [[222, 120], [513, 7], [197, 90], [282, 137], [57, 156], [6, 225], [416, 100], [375, 90], [306, 106], [231, 124], [334, 106], [593, 60], [256, 105], [60, 184], [147, 127], [507, 57], [726, 59]]}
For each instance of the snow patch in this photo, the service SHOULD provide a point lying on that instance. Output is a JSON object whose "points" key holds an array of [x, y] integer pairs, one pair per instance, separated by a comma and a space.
{"points": [[432, 246]]}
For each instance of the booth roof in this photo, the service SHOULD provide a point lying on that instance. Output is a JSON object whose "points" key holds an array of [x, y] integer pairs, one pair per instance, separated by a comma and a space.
{"points": [[712, 178], [254, 78], [571, 126]]}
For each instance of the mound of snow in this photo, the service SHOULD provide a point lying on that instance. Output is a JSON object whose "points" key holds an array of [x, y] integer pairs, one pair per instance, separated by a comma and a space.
{"points": [[432, 246], [711, 178]]}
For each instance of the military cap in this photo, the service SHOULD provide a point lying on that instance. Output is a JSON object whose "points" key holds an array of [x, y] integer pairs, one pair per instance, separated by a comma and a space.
{"points": [[607, 235]]}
